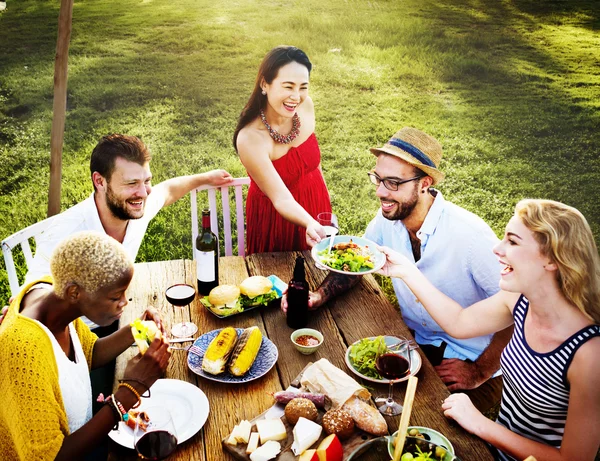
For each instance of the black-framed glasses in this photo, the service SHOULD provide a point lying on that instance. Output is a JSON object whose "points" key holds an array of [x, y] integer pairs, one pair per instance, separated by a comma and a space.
{"points": [[388, 183]]}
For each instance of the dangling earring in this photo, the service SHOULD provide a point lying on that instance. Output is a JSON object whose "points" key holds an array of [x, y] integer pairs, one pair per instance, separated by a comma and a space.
{"points": [[264, 92]]}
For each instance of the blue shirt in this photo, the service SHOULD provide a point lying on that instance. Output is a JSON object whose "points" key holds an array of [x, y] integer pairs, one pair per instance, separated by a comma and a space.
{"points": [[456, 256]]}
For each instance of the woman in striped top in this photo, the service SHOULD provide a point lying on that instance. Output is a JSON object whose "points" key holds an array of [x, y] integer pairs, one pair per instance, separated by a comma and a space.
{"points": [[550, 290]]}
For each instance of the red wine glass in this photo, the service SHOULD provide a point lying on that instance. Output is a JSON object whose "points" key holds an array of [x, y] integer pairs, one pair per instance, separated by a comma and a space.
{"points": [[155, 438], [329, 222], [393, 365], [182, 295]]}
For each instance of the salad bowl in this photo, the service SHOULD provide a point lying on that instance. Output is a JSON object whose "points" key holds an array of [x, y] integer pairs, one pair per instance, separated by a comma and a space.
{"points": [[419, 449], [359, 368], [333, 261]]}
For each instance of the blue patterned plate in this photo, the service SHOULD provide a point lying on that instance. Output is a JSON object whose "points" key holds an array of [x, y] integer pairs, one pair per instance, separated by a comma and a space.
{"points": [[266, 358]]}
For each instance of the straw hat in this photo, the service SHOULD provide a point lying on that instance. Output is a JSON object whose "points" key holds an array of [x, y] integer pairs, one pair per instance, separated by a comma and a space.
{"points": [[417, 148]]}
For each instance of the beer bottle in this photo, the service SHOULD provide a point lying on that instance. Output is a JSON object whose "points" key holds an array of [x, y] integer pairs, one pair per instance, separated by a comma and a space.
{"points": [[297, 296]]}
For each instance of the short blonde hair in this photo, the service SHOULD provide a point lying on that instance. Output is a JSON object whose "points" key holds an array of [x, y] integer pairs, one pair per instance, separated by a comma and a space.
{"points": [[91, 260], [565, 237]]}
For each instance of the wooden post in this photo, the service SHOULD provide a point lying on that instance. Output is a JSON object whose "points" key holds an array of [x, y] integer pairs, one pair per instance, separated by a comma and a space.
{"points": [[60, 104]]}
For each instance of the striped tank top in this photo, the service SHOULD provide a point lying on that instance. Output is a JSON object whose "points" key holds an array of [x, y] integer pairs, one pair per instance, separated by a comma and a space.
{"points": [[535, 396]]}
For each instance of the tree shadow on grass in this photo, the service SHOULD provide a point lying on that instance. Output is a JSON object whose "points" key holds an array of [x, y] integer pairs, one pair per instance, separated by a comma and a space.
{"points": [[551, 8], [545, 127]]}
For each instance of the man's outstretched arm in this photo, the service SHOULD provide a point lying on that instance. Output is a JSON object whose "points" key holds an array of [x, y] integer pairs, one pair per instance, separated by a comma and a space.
{"points": [[461, 375], [334, 285], [175, 188]]}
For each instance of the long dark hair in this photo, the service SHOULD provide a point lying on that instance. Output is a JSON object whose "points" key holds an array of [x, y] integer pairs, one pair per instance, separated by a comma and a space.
{"points": [[268, 70]]}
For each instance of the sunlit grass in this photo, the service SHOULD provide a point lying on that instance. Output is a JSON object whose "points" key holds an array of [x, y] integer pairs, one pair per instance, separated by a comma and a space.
{"points": [[510, 88]]}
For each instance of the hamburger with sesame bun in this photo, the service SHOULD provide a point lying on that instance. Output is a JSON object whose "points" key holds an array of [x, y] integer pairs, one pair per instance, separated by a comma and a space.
{"points": [[256, 291], [223, 300]]}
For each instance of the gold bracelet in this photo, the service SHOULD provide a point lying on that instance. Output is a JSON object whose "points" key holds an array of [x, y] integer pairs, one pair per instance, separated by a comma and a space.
{"points": [[136, 393]]}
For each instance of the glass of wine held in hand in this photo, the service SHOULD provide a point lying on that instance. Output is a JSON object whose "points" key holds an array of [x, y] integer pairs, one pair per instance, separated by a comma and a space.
{"points": [[155, 438], [329, 222], [393, 365]]}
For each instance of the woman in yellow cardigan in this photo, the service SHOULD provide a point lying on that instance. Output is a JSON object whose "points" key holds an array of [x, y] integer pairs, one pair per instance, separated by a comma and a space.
{"points": [[46, 353]]}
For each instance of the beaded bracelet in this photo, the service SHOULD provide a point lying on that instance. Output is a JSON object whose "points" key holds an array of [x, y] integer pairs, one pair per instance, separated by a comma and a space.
{"points": [[108, 401], [123, 413], [132, 389], [139, 382]]}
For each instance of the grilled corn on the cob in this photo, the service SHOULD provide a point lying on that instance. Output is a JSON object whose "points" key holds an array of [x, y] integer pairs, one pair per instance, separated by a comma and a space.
{"points": [[219, 350], [245, 351]]}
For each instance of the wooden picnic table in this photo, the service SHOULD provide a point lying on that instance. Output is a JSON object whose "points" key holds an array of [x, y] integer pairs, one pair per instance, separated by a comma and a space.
{"points": [[361, 312]]}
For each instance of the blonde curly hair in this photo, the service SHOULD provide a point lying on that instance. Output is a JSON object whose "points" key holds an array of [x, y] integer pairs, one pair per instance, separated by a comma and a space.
{"points": [[565, 237], [91, 260]]}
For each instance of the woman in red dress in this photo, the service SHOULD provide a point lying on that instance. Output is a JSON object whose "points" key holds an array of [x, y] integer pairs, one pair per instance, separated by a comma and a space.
{"points": [[276, 143]]}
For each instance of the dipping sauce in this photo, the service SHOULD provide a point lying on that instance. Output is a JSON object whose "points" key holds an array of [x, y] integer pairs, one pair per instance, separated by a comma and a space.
{"points": [[307, 340]]}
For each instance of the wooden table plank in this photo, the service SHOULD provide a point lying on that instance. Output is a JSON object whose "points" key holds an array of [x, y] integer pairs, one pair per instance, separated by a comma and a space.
{"points": [[365, 311], [291, 362], [229, 403]]}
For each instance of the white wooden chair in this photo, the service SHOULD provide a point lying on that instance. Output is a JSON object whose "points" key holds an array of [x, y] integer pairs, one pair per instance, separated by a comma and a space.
{"points": [[21, 238], [237, 186]]}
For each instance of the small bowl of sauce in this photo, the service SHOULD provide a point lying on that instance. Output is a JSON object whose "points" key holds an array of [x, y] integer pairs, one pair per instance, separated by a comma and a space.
{"points": [[307, 340]]}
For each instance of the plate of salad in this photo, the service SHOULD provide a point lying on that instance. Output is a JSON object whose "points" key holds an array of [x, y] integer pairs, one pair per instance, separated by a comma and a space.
{"points": [[361, 355], [349, 255]]}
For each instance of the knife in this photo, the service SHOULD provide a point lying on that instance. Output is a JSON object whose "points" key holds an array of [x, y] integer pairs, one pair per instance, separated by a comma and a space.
{"points": [[180, 340]]}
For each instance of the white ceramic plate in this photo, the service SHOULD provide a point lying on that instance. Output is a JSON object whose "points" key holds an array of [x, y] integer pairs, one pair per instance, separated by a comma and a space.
{"points": [[265, 359], [377, 256], [415, 362], [431, 435], [187, 403]]}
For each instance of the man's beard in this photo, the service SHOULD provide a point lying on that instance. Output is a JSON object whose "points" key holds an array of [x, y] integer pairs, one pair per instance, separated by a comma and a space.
{"points": [[404, 209], [119, 207]]}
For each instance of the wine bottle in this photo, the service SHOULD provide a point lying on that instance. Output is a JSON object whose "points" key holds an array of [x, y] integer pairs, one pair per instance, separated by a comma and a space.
{"points": [[207, 257], [297, 296]]}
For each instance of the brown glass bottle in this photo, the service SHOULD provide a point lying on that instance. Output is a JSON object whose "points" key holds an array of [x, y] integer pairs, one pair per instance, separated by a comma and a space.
{"points": [[297, 297], [207, 257]]}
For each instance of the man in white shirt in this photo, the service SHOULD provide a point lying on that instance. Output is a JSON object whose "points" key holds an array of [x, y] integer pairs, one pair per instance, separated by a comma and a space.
{"points": [[123, 202]]}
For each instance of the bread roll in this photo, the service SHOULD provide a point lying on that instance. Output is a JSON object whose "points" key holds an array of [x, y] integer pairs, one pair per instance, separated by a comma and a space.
{"points": [[365, 416], [338, 422], [300, 407], [255, 286]]}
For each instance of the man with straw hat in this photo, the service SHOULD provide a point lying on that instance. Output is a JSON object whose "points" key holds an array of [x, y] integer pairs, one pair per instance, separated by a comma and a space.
{"points": [[450, 245]]}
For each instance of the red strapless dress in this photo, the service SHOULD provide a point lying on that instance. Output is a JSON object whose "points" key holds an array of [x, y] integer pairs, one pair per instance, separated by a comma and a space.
{"points": [[266, 230]]}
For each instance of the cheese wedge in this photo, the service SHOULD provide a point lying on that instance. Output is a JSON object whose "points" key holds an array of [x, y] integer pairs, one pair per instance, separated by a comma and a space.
{"points": [[252, 444], [267, 451], [231, 440], [271, 429], [306, 433], [242, 431]]}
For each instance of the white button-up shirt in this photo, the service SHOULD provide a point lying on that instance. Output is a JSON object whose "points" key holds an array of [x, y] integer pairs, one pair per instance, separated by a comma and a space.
{"points": [[456, 257], [84, 217]]}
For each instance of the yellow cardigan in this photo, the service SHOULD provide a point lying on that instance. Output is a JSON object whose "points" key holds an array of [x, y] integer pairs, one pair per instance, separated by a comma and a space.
{"points": [[33, 422]]}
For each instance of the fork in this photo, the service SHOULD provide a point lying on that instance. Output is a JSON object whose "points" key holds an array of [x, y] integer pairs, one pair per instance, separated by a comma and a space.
{"points": [[191, 348], [412, 345]]}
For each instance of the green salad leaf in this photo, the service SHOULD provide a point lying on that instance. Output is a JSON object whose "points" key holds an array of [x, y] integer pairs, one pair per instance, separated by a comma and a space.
{"points": [[263, 299], [348, 260], [364, 353], [225, 310]]}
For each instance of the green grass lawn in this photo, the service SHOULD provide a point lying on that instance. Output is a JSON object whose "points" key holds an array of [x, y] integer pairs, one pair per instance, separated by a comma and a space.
{"points": [[510, 88]]}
